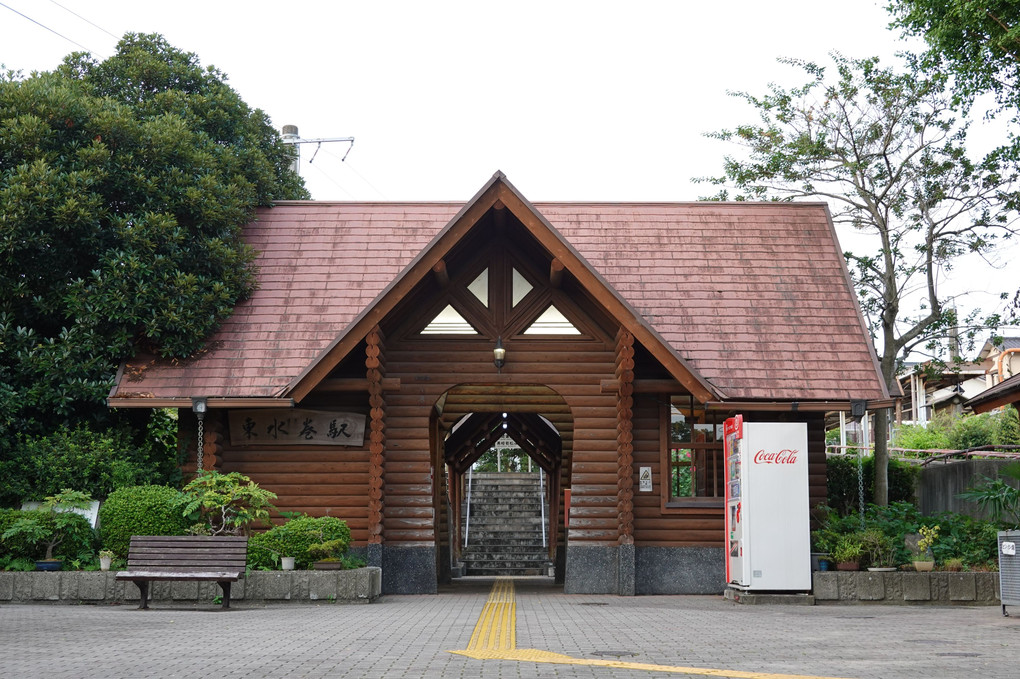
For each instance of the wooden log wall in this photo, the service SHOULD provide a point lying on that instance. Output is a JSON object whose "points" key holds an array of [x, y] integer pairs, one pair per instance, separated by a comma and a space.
{"points": [[696, 526]]}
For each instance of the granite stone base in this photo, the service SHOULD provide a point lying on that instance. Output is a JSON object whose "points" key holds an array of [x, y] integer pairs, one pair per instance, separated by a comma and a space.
{"points": [[362, 585], [409, 570], [629, 570], [939, 588], [592, 570], [680, 570]]}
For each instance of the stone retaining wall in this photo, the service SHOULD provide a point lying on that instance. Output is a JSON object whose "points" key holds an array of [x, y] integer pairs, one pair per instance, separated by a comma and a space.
{"points": [[941, 588], [362, 585]]}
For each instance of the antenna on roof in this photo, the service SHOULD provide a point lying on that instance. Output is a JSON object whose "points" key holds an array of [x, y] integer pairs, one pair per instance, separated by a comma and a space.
{"points": [[290, 136]]}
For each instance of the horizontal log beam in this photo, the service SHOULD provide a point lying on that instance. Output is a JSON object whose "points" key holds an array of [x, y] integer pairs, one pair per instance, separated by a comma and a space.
{"points": [[337, 385]]}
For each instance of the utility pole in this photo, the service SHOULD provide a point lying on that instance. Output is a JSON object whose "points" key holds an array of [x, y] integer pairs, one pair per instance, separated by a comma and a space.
{"points": [[290, 136]]}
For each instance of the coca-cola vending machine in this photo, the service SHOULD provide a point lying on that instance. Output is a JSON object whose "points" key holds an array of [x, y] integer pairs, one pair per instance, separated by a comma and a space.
{"points": [[768, 532]]}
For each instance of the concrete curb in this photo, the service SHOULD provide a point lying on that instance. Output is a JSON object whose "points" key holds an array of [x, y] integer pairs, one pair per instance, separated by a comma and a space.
{"points": [[362, 585], [939, 588]]}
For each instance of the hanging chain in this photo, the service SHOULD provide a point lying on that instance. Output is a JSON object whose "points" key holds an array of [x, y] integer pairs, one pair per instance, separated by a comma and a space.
{"points": [[201, 442], [860, 482]]}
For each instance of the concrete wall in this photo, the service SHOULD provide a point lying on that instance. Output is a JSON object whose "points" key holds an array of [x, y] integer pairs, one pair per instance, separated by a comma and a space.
{"points": [[939, 588], [362, 585], [940, 484]]}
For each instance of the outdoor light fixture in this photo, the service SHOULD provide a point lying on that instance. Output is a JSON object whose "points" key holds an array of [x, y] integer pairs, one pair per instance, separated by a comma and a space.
{"points": [[499, 354], [198, 406]]}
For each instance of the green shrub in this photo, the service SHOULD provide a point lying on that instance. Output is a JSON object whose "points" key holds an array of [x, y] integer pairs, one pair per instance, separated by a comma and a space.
{"points": [[843, 491], [1008, 433], [294, 538], [226, 504], [973, 431], [140, 510], [920, 437]]}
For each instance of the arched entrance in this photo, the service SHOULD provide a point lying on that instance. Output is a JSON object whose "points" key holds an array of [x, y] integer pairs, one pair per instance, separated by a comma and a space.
{"points": [[466, 422]]}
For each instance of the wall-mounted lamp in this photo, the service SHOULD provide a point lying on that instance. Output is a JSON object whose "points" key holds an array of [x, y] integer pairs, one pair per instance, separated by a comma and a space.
{"points": [[199, 404], [499, 354]]}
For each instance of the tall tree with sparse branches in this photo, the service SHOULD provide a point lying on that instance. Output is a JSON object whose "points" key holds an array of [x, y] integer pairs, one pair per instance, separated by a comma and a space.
{"points": [[883, 148]]}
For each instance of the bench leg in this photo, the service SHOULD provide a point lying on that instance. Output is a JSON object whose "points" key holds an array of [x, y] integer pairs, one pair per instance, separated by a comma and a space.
{"points": [[225, 586], [143, 591]]}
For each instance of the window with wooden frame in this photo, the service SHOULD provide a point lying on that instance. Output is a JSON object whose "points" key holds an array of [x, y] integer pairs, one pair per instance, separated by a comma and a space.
{"points": [[692, 454]]}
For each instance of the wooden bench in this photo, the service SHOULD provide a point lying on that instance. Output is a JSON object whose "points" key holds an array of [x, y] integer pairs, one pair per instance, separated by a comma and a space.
{"points": [[219, 559]]}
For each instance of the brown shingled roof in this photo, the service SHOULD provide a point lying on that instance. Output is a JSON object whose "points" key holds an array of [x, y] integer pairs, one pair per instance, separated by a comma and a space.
{"points": [[753, 299]]}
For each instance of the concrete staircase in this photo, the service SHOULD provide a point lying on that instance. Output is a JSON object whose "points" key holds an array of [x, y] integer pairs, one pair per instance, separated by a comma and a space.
{"points": [[505, 526]]}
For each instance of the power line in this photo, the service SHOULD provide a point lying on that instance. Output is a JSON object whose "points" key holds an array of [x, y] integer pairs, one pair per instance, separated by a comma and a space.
{"points": [[25, 16], [85, 20]]}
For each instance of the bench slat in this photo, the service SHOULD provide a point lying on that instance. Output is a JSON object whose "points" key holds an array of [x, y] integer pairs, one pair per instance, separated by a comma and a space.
{"points": [[180, 575]]}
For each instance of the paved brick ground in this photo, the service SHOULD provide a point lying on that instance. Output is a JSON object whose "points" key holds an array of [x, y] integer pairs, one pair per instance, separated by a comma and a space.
{"points": [[409, 636]]}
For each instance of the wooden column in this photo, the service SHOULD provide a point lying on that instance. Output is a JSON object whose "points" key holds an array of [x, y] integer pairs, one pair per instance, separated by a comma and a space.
{"points": [[375, 371], [625, 437]]}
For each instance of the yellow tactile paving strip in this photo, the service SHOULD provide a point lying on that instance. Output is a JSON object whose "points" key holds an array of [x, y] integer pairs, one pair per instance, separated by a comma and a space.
{"points": [[495, 638]]}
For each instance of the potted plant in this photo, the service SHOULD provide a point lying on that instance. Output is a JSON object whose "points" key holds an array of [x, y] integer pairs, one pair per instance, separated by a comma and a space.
{"points": [[847, 552], [105, 559], [923, 561], [328, 554], [878, 550], [287, 563], [51, 526]]}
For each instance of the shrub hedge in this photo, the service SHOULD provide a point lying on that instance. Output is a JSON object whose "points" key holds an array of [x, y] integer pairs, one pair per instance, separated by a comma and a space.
{"points": [[294, 538], [140, 510], [843, 490]]}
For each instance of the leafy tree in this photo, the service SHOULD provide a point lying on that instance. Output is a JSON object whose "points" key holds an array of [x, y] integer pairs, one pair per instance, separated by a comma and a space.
{"points": [[124, 185], [884, 149], [979, 44], [978, 41]]}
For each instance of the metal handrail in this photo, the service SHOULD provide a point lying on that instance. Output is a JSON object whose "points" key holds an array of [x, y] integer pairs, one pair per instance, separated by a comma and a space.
{"points": [[541, 503], [467, 516]]}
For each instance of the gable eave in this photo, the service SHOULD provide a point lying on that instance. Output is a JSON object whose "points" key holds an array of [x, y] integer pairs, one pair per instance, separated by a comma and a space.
{"points": [[499, 190]]}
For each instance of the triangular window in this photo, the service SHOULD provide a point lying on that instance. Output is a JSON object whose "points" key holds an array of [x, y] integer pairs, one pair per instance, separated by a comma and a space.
{"points": [[449, 322], [552, 322], [521, 287], [479, 287]]}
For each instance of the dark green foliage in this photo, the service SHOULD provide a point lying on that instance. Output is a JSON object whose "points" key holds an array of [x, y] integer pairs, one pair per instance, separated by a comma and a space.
{"points": [[96, 462], [294, 538], [960, 536], [124, 185], [843, 488], [78, 535], [1008, 433], [998, 497], [973, 431], [140, 510]]}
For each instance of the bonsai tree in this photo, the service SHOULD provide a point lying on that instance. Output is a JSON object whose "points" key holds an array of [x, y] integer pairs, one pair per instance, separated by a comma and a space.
{"points": [[226, 504], [53, 523], [330, 550]]}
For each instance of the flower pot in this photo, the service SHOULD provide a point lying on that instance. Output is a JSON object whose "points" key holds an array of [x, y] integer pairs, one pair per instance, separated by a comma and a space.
{"points": [[104, 563], [328, 565], [848, 566], [924, 566], [882, 569], [287, 563], [49, 565]]}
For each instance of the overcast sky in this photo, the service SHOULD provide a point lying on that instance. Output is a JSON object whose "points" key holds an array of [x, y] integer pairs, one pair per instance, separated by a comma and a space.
{"points": [[572, 100]]}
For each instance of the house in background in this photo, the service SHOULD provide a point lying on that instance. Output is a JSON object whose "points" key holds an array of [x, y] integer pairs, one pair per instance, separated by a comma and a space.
{"points": [[928, 391], [389, 345]]}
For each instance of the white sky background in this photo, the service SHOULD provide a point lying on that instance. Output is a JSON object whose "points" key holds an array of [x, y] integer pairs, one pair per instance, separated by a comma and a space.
{"points": [[572, 100]]}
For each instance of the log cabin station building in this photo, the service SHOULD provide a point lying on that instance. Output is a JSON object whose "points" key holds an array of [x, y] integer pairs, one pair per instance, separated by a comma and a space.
{"points": [[388, 345]]}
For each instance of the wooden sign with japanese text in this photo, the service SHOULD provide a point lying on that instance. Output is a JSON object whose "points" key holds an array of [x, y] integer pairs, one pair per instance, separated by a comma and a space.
{"points": [[296, 427]]}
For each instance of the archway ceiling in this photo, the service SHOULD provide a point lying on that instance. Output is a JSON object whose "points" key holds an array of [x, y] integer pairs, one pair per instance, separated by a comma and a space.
{"points": [[481, 430]]}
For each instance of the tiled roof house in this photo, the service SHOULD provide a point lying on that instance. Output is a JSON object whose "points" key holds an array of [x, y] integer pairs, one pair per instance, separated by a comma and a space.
{"points": [[614, 317]]}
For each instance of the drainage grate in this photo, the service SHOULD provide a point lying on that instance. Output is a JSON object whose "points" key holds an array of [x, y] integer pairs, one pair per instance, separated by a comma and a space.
{"points": [[593, 603], [959, 655], [615, 654]]}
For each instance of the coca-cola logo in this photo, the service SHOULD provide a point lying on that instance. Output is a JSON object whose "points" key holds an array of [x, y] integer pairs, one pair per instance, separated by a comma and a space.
{"points": [[776, 457]]}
